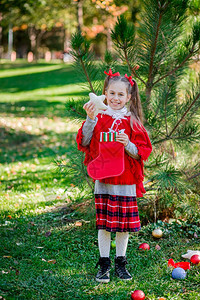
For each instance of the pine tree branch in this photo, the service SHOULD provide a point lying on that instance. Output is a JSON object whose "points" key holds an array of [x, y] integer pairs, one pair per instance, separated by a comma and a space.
{"points": [[130, 67], [149, 83], [86, 74], [168, 138], [74, 110], [85, 174], [176, 68], [162, 140], [183, 116], [194, 176], [154, 49], [165, 104]]}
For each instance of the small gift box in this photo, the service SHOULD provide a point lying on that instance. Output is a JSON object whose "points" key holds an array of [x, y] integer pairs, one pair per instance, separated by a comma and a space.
{"points": [[108, 136]]}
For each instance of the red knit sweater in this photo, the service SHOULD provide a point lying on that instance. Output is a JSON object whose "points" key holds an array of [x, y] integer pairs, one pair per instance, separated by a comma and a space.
{"points": [[133, 173]]}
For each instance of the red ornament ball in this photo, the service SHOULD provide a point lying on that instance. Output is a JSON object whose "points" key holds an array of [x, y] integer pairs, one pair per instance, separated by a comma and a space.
{"points": [[138, 295], [195, 259], [144, 246]]}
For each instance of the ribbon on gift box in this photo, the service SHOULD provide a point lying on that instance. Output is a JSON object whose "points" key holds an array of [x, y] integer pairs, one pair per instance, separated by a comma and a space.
{"points": [[108, 136]]}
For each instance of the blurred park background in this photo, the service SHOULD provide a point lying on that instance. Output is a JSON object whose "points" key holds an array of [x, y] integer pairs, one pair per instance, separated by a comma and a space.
{"points": [[43, 29], [52, 54]]}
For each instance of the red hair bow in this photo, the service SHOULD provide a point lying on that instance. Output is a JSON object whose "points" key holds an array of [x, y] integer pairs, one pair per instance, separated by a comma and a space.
{"points": [[129, 79], [110, 73]]}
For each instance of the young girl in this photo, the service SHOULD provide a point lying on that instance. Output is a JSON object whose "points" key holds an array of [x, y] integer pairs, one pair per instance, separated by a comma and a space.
{"points": [[115, 196]]}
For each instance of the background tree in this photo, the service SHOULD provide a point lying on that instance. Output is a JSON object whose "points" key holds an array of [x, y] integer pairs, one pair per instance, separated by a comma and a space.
{"points": [[40, 18]]}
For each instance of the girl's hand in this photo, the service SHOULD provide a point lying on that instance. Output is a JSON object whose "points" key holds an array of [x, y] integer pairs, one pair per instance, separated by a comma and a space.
{"points": [[90, 109], [122, 138]]}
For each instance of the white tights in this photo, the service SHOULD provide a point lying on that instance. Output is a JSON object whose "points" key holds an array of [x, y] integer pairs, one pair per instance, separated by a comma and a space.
{"points": [[104, 239]]}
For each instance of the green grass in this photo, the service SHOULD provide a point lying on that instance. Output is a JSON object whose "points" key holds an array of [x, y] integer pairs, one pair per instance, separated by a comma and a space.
{"points": [[48, 244]]}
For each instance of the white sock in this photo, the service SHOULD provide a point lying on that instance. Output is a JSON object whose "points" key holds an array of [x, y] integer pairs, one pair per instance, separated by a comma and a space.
{"points": [[121, 243], [104, 239]]}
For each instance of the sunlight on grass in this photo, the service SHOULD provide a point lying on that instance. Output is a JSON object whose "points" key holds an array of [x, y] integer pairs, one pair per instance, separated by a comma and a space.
{"points": [[29, 70], [53, 93], [37, 126]]}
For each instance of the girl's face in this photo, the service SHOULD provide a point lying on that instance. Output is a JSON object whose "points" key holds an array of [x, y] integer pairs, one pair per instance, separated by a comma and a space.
{"points": [[117, 95]]}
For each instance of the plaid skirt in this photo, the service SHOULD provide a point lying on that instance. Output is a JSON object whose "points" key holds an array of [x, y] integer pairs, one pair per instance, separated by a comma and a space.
{"points": [[117, 213]]}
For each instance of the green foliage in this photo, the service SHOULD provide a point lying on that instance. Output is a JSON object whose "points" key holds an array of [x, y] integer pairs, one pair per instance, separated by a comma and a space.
{"points": [[80, 45], [173, 227], [123, 33], [108, 58], [168, 179], [75, 109], [70, 167], [194, 6], [23, 5], [196, 35]]}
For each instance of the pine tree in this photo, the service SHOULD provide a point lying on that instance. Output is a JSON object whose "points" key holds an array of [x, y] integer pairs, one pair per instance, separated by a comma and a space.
{"points": [[170, 99]]}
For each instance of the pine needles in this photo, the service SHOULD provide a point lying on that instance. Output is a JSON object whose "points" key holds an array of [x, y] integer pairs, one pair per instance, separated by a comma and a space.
{"points": [[158, 55]]}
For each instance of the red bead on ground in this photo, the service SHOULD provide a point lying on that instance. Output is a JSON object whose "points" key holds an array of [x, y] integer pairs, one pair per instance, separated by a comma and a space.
{"points": [[138, 295], [195, 259], [144, 246]]}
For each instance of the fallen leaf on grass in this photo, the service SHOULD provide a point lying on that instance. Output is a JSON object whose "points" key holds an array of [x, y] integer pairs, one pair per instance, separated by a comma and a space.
{"points": [[3, 272], [78, 224], [157, 247], [52, 261], [7, 256], [17, 272], [48, 233]]}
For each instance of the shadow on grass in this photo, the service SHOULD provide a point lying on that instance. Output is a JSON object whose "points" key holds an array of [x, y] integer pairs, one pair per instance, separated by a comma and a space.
{"points": [[37, 108], [28, 82], [30, 181], [23, 65], [11, 137], [20, 146], [49, 255]]}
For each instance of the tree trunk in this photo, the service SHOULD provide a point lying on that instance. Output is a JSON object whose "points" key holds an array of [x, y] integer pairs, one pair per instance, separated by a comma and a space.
{"points": [[148, 93], [38, 41], [1, 47], [32, 37], [66, 39], [80, 14], [109, 40], [10, 41]]}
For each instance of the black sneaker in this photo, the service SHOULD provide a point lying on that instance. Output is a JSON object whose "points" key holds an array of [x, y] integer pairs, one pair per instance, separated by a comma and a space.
{"points": [[120, 268], [103, 274]]}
